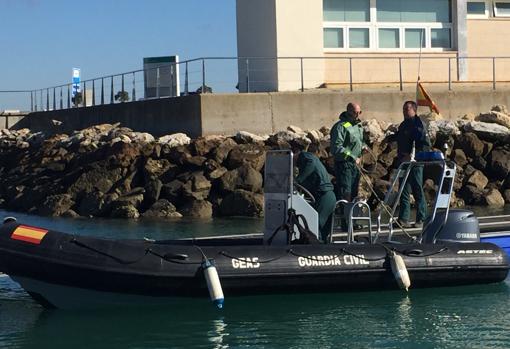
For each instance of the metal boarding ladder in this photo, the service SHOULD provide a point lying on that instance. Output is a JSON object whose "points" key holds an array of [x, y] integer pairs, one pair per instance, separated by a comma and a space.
{"points": [[443, 197], [392, 200], [442, 200], [348, 211]]}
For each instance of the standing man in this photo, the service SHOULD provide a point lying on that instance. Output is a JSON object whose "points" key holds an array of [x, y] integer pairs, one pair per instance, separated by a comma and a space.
{"points": [[346, 147], [411, 132], [314, 177]]}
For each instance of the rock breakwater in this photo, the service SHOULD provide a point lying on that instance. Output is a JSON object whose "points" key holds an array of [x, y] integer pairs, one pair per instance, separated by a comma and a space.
{"points": [[112, 171]]}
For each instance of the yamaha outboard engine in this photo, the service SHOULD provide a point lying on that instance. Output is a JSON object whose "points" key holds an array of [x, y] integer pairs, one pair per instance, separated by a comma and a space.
{"points": [[460, 226]]}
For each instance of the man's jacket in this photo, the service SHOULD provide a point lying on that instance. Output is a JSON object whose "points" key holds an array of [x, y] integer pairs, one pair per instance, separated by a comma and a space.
{"points": [[312, 174], [346, 139], [409, 131]]}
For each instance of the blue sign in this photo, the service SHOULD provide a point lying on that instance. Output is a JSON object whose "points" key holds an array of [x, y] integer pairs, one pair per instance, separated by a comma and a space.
{"points": [[76, 81]]}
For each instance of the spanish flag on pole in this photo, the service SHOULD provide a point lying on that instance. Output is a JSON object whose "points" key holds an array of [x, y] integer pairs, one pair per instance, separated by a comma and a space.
{"points": [[423, 99]]}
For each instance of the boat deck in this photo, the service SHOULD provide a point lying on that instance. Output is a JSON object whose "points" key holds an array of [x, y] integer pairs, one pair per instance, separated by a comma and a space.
{"points": [[490, 226]]}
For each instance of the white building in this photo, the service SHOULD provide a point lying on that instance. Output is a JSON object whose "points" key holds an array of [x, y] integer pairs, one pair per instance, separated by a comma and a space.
{"points": [[362, 41]]}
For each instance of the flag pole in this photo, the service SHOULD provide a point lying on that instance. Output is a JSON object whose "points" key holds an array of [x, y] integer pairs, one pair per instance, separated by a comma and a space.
{"points": [[419, 57]]}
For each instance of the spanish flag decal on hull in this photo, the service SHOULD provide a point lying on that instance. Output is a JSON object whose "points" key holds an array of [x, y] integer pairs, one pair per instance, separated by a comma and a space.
{"points": [[29, 234]]}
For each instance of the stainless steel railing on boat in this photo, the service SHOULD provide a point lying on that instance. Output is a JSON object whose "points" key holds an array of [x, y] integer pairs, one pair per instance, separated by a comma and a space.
{"points": [[356, 211], [392, 199], [442, 200]]}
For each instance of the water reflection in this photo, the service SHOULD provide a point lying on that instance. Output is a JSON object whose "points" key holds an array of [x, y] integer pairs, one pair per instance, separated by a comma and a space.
{"points": [[457, 317], [217, 335], [405, 316]]}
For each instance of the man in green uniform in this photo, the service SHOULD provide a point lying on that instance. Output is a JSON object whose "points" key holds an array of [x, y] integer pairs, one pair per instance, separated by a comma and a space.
{"points": [[314, 177], [346, 146], [412, 131]]}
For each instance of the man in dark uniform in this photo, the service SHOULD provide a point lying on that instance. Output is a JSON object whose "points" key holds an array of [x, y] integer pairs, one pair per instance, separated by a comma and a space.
{"points": [[314, 177], [412, 132]]}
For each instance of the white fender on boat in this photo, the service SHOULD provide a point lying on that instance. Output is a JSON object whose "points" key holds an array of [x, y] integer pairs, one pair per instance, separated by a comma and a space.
{"points": [[398, 267], [213, 283]]}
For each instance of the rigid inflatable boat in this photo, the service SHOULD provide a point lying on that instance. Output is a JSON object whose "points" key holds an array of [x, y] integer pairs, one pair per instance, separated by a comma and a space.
{"points": [[69, 271]]}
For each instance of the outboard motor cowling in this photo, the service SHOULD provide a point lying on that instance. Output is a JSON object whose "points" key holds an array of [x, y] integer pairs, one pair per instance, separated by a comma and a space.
{"points": [[460, 226]]}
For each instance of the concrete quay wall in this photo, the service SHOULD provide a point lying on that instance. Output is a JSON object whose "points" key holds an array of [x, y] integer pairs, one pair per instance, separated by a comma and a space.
{"points": [[157, 116], [260, 113]]}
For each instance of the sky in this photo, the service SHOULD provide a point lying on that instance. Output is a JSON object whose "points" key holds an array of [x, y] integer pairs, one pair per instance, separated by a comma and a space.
{"points": [[42, 40]]}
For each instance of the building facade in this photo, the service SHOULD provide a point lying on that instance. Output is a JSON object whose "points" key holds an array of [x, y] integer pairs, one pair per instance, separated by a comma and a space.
{"points": [[370, 41]]}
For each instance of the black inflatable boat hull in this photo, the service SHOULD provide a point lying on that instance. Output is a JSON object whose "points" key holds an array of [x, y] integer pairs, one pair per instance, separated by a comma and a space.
{"points": [[66, 271]]}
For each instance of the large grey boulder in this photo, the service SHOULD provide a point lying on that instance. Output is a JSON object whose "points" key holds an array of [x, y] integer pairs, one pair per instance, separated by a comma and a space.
{"points": [[499, 163], [244, 177], [162, 209], [506, 196], [442, 131], [174, 140], [100, 178], [495, 118], [251, 154], [172, 191], [372, 131], [158, 167], [283, 139], [92, 204], [478, 180], [459, 157], [314, 135], [133, 198], [197, 186], [141, 137], [125, 211], [242, 203], [471, 195], [501, 108], [202, 146], [470, 144], [152, 192], [56, 205], [244, 137], [197, 209], [220, 153], [493, 198], [389, 154], [487, 131]]}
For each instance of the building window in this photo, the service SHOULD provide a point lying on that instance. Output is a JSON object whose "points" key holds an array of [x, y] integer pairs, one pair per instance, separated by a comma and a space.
{"points": [[359, 38], [413, 38], [346, 10], [333, 38], [414, 11], [477, 9], [501, 8], [440, 37], [389, 38], [388, 24]]}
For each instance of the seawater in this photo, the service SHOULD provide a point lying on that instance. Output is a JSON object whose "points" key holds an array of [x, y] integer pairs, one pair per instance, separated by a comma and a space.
{"points": [[457, 317]]}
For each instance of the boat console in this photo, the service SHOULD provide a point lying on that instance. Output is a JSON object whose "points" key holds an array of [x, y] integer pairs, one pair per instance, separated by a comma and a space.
{"points": [[443, 224], [281, 197]]}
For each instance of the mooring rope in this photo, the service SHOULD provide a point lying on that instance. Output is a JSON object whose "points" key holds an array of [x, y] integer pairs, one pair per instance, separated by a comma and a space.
{"points": [[384, 206], [115, 258]]}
